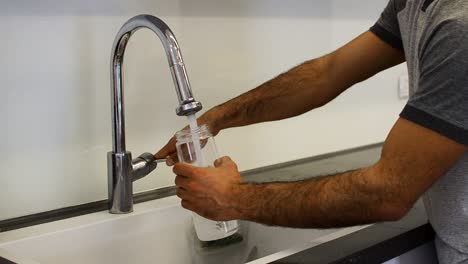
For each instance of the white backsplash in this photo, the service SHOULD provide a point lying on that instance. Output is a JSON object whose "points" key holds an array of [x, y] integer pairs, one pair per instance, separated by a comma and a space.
{"points": [[54, 73]]}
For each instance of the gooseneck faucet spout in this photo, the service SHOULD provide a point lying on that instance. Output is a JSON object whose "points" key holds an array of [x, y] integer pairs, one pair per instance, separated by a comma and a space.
{"points": [[122, 170]]}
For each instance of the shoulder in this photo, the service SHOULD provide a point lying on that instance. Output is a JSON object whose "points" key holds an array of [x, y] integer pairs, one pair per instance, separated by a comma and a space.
{"points": [[447, 33], [450, 15]]}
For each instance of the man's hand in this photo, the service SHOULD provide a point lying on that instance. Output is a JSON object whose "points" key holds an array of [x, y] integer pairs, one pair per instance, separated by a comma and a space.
{"points": [[210, 192], [413, 158]]}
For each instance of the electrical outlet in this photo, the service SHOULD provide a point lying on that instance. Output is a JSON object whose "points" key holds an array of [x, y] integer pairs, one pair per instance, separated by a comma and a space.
{"points": [[403, 86]]}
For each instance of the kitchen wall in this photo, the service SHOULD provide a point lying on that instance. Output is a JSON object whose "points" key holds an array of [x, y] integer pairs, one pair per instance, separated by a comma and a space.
{"points": [[54, 102]]}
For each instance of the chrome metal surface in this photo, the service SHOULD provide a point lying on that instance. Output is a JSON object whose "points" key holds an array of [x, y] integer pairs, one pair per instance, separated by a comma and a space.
{"points": [[188, 108], [120, 187], [143, 165], [122, 171], [161, 160]]}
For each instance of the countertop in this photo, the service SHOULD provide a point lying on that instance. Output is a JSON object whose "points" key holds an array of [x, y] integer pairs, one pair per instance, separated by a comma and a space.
{"points": [[375, 244]]}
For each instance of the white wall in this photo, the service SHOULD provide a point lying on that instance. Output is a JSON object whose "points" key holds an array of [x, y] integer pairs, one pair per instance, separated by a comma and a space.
{"points": [[54, 75]]}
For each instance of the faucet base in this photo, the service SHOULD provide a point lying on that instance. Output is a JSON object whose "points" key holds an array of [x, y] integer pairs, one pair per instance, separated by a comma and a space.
{"points": [[119, 168]]}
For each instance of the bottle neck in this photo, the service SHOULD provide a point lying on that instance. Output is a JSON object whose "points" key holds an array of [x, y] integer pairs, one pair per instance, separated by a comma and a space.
{"points": [[187, 134]]}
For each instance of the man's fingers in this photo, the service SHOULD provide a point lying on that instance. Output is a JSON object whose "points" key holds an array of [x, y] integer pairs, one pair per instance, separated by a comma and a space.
{"points": [[167, 150], [183, 194], [181, 181], [223, 161], [184, 169], [187, 205], [172, 159], [180, 192], [169, 162]]}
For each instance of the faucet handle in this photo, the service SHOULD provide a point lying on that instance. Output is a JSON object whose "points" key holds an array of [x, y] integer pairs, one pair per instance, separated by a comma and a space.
{"points": [[160, 160], [143, 165]]}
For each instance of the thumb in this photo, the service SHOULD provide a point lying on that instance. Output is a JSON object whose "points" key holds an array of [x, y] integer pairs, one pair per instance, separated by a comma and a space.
{"points": [[223, 162]]}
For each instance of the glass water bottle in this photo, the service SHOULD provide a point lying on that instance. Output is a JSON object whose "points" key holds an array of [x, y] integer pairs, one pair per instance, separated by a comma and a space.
{"points": [[198, 148]]}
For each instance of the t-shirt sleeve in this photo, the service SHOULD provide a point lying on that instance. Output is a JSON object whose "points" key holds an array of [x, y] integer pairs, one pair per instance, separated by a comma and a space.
{"points": [[441, 100], [387, 27]]}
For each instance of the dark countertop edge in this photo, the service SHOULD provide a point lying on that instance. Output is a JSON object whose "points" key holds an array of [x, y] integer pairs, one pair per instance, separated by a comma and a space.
{"points": [[6, 261], [375, 244], [392, 247], [309, 159]]}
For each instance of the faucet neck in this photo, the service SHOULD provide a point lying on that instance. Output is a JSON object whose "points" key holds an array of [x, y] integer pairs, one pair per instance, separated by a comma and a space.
{"points": [[187, 104]]}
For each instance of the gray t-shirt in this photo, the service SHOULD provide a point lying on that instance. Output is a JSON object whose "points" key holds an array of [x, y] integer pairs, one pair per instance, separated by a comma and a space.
{"points": [[433, 34]]}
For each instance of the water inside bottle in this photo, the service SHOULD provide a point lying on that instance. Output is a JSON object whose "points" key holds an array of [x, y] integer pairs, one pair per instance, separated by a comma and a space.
{"points": [[192, 119]]}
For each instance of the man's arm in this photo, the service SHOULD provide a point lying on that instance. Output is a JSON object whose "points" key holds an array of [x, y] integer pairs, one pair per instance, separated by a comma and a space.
{"points": [[303, 88], [413, 158], [309, 85]]}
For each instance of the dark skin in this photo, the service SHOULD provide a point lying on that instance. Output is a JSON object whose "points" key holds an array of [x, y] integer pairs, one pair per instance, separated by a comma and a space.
{"points": [[413, 157]]}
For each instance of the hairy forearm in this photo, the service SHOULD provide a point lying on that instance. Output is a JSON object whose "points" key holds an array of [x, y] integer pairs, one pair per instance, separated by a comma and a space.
{"points": [[346, 199], [307, 86], [292, 93]]}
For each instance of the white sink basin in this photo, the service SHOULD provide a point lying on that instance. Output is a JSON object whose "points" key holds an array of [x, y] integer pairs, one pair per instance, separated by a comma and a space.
{"points": [[158, 231]]}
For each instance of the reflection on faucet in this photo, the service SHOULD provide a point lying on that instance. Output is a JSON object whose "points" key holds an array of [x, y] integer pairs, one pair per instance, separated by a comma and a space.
{"points": [[122, 171]]}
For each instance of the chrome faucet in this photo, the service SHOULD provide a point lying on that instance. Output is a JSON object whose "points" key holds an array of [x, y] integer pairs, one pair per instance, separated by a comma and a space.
{"points": [[122, 170]]}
